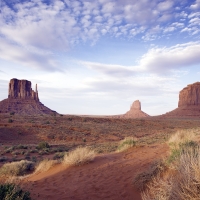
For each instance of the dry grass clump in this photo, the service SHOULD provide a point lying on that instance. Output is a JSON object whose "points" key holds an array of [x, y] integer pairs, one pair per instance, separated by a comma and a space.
{"points": [[19, 168], [142, 179], [45, 165], [79, 156], [182, 179], [126, 143], [181, 137]]}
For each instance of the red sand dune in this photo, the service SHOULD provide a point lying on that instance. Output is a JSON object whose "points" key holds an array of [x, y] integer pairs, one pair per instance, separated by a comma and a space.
{"points": [[107, 177]]}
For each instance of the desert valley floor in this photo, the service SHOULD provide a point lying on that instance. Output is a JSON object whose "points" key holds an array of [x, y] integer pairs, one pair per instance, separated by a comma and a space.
{"points": [[110, 175]]}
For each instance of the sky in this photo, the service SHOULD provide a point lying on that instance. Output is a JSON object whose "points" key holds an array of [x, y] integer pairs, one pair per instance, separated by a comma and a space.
{"points": [[95, 57]]}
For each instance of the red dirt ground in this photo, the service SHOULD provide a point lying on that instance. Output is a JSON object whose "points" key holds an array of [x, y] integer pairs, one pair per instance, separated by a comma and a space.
{"points": [[109, 176]]}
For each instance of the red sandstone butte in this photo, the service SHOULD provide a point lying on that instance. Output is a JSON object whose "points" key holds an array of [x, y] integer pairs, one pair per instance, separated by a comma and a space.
{"points": [[189, 102], [135, 111], [22, 99]]}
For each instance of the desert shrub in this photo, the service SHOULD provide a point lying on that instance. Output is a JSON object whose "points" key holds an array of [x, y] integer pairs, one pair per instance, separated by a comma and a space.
{"points": [[12, 192], [79, 156], [180, 142], [45, 165], [182, 180], [10, 120], [155, 169], [58, 155], [43, 145], [12, 113], [19, 168], [181, 137], [126, 144], [3, 159]]}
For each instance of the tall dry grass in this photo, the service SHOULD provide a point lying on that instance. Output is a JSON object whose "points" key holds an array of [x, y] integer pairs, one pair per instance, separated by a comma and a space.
{"points": [[182, 180], [79, 156], [19, 168], [45, 165], [181, 137]]}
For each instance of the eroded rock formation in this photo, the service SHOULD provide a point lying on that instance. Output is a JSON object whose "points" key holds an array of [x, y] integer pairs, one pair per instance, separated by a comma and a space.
{"points": [[135, 111], [189, 102], [22, 99], [22, 89], [190, 95]]}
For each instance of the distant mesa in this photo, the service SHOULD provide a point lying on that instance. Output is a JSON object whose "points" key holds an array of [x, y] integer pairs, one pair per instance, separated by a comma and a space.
{"points": [[23, 100], [189, 102], [135, 111]]}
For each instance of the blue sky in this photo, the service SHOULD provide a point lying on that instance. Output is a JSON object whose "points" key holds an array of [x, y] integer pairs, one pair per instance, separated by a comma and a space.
{"points": [[98, 56]]}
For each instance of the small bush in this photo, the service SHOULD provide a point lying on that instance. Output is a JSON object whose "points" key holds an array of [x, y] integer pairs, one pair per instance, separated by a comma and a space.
{"points": [[126, 144], [58, 155], [12, 113], [45, 165], [79, 156], [43, 145], [10, 120], [142, 179], [13, 192], [19, 168]]}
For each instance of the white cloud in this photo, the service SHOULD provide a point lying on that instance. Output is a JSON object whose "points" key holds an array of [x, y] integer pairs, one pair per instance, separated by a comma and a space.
{"points": [[166, 5], [30, 57], [158, 61], [196, 5]]}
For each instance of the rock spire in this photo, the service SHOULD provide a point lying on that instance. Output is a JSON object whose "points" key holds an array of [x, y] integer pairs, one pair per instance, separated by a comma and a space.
{"points": [[135, 111]]}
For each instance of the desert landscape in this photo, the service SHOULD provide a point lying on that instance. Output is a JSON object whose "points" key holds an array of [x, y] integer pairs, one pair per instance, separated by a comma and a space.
{"points": [[47, 155]]}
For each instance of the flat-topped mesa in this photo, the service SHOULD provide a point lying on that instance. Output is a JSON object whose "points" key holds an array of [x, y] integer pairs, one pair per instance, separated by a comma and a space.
{"points": [[190, 95], [21, 89]]}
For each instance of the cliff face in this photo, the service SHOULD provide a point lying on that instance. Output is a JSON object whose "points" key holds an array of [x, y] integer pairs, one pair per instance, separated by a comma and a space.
{"points": [[189, 103], [21, 89], [190, 95], [23, 100]]}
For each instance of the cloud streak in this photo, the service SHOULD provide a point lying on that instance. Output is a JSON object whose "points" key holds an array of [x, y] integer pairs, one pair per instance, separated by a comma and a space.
{"points": [[160, 61]]}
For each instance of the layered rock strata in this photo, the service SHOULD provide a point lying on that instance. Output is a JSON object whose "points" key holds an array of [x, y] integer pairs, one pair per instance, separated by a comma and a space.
{"points": [[22, 99], [189, 102]]}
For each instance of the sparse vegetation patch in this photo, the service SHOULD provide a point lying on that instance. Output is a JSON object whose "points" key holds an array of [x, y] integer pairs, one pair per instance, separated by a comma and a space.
{"points": [[79, 156]]}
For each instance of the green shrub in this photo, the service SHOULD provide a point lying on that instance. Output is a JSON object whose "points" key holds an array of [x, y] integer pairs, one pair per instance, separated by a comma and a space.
{"points": [[10, 120], [12, 113], [43, 145], [13, 192], [126, 144]]}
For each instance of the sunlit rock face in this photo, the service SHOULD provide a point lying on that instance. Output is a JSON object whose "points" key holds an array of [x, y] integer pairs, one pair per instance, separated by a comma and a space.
{"points": [[188, 104], [190, 95]]}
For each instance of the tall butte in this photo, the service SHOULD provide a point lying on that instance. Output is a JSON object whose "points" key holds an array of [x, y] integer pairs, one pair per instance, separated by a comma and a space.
{"points": [[22, 99], [135, 111], [189, 102]]}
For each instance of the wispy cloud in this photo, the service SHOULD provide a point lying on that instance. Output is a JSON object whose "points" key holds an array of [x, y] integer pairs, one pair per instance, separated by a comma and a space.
{"points": [[159, 61]]}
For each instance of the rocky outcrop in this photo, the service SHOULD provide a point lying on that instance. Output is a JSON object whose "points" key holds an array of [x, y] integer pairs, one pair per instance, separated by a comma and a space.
{"points": [[135, 111], [22, 99], [190, 95], [21, 89], [189, 103]]}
